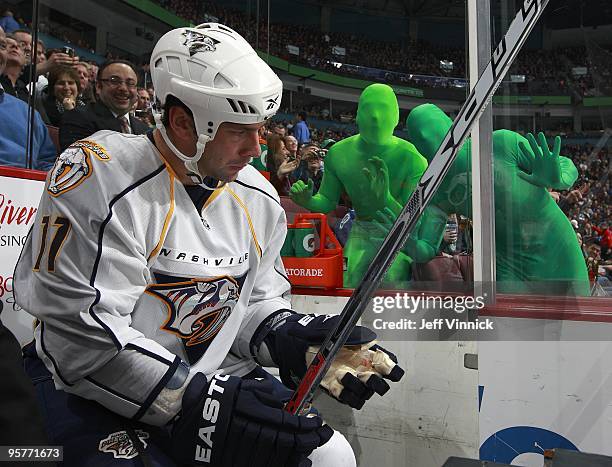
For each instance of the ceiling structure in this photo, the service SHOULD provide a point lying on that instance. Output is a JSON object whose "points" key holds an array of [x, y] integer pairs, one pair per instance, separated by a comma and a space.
{"points": [[407, 8], [559, 13]]}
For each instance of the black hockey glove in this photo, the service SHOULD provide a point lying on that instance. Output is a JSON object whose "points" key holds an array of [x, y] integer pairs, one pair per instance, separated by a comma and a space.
{"points": [[358, 371], [234, 422]]}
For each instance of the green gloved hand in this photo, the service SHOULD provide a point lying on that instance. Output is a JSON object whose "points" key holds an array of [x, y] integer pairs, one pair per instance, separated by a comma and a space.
{"points": [[301, 193], [546, 166], [377, 174]]}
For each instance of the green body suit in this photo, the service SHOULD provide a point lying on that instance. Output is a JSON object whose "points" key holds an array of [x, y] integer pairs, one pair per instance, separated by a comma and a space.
{"points": [[377, 170], [536, 246]]}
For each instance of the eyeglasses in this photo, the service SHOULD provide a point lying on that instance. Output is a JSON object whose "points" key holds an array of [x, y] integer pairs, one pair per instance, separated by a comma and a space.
{"points": [[115, 82]]}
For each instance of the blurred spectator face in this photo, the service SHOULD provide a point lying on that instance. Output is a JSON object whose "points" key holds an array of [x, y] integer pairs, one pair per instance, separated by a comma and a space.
{"points": [[291, 144], [40, 53], [263, 131], [93, 72], [279, 130], [269, 131], [65, 87], [25, 42], [151, 94], [314, 163], [117, 88], [83, 72], [3, 50], [15, 55], [143, 100], [280, 152], [594, 251]]}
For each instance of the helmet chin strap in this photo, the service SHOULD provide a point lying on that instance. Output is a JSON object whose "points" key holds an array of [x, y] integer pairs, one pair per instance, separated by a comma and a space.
{"points": [[191, 163]]}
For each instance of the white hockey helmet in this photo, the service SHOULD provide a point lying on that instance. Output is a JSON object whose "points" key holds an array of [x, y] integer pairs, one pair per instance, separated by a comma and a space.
{"points": [[216, 73]]}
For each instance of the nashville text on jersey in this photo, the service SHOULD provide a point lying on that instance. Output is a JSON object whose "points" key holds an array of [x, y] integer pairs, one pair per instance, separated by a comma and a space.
{"points": [[194, 258]]}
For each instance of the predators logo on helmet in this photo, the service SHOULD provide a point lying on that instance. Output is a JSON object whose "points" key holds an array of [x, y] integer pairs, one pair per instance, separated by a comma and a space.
{"points": [[198, 42]]}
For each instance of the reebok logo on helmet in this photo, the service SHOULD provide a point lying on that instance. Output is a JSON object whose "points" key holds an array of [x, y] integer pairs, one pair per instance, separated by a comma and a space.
{"points": [[272, 102]]}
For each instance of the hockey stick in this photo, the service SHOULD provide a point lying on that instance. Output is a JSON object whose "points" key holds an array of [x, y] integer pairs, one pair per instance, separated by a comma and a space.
{"points": [[483, 91]]}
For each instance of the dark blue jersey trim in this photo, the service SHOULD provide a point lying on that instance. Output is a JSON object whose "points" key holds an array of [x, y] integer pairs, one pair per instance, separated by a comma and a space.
{"points": [[112, 391], [148, 353], [257, 189], [94, 273], [157, 389], [46, 352], [283, 276]]}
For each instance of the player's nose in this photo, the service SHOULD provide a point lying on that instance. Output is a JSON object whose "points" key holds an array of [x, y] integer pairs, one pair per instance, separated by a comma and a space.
{"points": [[251, 146]]}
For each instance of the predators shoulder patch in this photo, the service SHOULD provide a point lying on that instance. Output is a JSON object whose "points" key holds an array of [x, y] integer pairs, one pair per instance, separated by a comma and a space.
{"points": [[93, 148], [73, 166]]}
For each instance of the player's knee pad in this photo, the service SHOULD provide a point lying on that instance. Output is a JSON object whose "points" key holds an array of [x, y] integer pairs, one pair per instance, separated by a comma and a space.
{"points": [[337, 452]]}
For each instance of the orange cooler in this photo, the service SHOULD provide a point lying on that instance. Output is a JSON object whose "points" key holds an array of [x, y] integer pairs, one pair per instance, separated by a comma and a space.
{"points": [[322, 269]]}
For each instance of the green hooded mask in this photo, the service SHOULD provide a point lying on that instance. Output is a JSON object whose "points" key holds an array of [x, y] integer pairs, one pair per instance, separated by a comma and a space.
{"points": [[377, 114], [427, 126]]}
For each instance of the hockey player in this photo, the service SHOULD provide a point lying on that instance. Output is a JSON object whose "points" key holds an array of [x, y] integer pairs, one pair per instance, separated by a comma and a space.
{"points": [[155, 275]]}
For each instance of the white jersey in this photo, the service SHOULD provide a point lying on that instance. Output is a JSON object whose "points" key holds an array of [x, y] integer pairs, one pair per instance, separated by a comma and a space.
{"points": [[130, 281]]}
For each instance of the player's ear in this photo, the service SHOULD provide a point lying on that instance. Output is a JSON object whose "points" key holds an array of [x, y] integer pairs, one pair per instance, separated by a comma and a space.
{"points": [[181, 123]]}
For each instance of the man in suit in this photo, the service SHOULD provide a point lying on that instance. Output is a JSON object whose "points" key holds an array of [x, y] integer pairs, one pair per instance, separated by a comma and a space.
{"points": [[116, 86]]}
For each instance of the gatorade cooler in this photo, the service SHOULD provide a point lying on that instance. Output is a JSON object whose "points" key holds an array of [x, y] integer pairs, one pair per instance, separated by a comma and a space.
{"points": [[315, 268]]}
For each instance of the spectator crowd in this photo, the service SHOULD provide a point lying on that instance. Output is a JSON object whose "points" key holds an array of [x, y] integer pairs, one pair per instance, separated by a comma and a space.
{"points": [[72, 98], [546, 71], [588, 207], [411, 63]]}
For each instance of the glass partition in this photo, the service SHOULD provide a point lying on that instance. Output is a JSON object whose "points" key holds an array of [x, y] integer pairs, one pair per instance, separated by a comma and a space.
{"points": [[553, 202]]}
